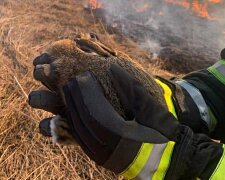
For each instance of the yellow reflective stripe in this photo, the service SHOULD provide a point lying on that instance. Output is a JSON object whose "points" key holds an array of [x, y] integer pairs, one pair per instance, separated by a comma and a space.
{"points": [[139, 162], [220, 169], [167, 96], [215, 71], [144, 153], [164, 162]]}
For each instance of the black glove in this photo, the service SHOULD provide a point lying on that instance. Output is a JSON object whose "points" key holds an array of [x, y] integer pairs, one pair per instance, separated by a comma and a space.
{"points": [[48, 101], [151, 144]]}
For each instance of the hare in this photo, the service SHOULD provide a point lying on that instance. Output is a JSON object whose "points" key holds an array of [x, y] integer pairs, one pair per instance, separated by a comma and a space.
{"points": [[67, 58]]}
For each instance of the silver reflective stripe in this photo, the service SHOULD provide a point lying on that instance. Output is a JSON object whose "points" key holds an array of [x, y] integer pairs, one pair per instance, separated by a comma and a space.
{"points": [[152, 164], [221, 69], [199, 101]]}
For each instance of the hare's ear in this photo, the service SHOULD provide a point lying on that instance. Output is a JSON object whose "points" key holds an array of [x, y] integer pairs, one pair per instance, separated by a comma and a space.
{"points": [[109, 50], [96, 39], [91, 44], [61, 132], [91, 47]]}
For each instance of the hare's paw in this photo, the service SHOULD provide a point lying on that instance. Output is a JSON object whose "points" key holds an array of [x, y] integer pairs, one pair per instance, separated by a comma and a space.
{"points": [[57, 128], [61, 132]]}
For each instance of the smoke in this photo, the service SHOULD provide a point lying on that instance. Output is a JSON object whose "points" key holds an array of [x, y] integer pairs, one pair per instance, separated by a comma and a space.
{"points": [[155, 24]]}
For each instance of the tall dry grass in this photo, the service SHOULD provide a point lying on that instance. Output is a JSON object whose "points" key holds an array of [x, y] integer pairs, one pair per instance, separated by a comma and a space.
{"points": [[26, 28]]}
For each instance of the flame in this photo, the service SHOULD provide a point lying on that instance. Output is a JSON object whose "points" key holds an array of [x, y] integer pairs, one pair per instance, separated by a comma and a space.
{"points": [[215, 1], [184, 3], [198, 7], [201, 9], [94, 4]]}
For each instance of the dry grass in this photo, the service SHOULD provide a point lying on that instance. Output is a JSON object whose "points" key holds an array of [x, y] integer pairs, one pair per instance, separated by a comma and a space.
{"points": [[26, 28]]}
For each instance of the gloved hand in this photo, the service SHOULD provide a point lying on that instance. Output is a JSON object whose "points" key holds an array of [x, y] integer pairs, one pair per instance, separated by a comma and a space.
{"points": [[151, 144], [57, 126]]}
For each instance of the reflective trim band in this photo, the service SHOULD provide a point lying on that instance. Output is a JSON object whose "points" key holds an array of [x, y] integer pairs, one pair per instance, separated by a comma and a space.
{"points": [[220, 169], [152, 162], [165, 162], [218, 70], [139, 162], [167, 96], [199, 101]]}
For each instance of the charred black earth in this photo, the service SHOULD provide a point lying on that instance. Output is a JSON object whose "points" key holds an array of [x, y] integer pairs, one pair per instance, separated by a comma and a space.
{"points": [[183, 40]]}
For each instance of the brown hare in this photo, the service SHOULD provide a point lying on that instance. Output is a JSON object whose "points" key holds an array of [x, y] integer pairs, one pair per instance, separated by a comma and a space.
{"points": [[67, 58]]}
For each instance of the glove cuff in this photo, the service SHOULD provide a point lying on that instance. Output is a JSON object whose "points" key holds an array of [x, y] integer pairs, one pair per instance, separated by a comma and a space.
{"points": [[195, 155], [180, 159]]}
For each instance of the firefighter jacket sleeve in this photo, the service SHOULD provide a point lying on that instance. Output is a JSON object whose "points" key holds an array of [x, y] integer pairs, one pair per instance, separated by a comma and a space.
{"points": [[211, 84], [149, 144]]}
